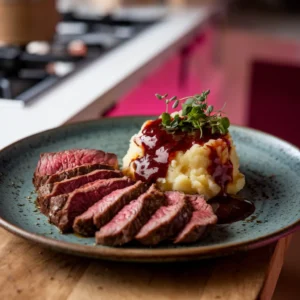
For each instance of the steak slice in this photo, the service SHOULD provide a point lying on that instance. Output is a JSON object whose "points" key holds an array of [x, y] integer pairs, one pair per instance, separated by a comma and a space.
{"points": [[131, 218], [167, 221], [49, 190], [202, 217], [65, 208], [54, 162], [104, 210], [70, 173]]}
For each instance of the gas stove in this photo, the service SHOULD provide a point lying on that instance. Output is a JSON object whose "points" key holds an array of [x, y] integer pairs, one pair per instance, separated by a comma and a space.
{"points": [[30, 70]]}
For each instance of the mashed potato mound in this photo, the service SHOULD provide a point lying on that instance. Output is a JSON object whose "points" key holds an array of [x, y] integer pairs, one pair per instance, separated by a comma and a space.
{"points": [[189, 171]]}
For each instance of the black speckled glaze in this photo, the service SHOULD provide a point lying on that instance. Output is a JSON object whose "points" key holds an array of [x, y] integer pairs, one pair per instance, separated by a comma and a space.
{"points": [[271, 167]]}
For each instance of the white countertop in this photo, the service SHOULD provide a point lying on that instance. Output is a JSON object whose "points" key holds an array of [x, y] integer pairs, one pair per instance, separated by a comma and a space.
{"points": [[92, 90]]}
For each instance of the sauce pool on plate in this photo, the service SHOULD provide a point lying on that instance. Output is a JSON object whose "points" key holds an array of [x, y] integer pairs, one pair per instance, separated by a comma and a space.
{"points": [[230, 208]]}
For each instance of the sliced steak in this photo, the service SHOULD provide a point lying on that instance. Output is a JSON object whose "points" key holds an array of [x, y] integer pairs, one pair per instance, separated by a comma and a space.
{"points": [[202, 217], [65, 208], [167, 221], [70, 173], [128, 222], [104, 210], [54, 162], [50, 190]]}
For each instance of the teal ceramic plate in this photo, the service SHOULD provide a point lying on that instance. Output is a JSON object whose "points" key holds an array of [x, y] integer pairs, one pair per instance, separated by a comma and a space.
{"points": [[271, 166]]}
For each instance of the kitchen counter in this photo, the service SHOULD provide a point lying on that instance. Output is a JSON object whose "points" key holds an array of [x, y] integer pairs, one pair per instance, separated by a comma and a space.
{"points": [[89, 92]]}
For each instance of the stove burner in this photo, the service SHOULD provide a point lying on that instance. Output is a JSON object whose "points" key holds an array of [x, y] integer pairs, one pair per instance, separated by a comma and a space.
{"points": [[27, 71]]}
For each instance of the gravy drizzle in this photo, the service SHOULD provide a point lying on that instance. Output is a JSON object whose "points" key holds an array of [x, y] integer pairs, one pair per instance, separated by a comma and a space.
{"points": [[161, 146]]}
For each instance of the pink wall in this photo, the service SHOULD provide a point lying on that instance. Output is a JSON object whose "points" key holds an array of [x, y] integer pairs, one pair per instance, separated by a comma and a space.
{"points": [[275, 100], [202, 74]]}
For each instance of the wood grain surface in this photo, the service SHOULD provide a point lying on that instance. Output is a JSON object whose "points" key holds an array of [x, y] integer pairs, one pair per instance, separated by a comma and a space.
{"points": [[28, 271]]}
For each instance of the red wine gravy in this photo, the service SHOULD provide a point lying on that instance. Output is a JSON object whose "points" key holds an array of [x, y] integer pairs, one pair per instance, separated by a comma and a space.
{"points": [[230, 208], [221, 173], [160, 147]]}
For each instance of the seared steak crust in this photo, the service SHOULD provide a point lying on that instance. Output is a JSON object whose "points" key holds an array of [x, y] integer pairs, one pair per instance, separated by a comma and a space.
{"points": [[54, 162], [47, 191], [65, 208], [126, 224], [105, 209], [167, 221], [69, 173], [202, 217]]}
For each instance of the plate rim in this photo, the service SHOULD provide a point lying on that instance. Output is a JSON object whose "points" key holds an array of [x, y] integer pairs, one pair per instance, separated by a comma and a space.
{"points": [[145, 254]]}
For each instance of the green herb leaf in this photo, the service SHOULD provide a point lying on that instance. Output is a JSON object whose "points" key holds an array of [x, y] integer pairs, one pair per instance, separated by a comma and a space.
{"points": [[189, 101], [225, 122], [196, 115], [166, 119], [209, 109], [186, 109], [221, 129], [175, 104]]}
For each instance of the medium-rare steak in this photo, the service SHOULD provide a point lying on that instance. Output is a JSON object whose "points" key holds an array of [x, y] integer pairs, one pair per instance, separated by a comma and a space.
{"points": [[131, 218], [112, 204], [104, 210], [55, 162], [202, 217], [167, 221], [69, 185], [65, 208], [70, 173], [49, 190]]}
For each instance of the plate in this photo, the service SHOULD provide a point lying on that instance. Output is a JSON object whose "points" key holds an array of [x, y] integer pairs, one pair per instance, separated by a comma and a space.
{"points": [[271, 166]]}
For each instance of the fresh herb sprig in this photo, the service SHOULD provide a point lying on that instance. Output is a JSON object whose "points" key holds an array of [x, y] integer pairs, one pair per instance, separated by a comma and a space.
{"points": [[196, 115]]}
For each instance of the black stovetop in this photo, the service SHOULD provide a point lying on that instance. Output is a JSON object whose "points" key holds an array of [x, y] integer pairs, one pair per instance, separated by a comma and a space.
{"points": [[27, 71]]}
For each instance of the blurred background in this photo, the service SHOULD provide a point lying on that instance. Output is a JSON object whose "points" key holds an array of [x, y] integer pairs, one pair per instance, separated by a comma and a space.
{"points": [[65, 61]]}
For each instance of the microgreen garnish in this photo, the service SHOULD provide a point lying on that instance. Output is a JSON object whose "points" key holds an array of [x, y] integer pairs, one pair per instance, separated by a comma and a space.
{"points": [[196, 115]]}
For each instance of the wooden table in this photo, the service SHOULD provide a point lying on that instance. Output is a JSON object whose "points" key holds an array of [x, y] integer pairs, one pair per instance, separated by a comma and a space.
{"points": [[28, 271]]}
